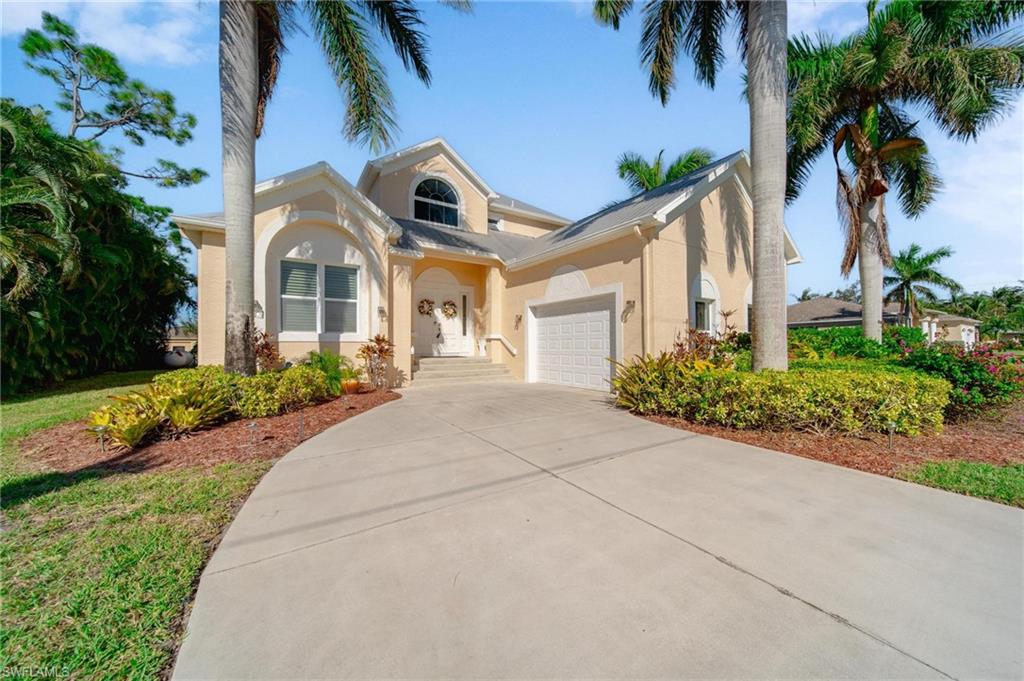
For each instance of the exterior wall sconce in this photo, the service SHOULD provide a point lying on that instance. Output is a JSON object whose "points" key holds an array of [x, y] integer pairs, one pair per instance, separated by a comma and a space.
{"points": [[382, 313], [518, 321], [627, 310], [258, 311]]}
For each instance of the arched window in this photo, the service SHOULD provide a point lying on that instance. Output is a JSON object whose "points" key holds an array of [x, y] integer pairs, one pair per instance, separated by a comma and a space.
{"points": [[436, 201]]}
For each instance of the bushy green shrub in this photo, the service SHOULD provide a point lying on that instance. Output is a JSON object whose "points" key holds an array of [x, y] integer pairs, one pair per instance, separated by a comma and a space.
{"points": [[299, 386], [256, 396], [842, 341], [818, 401], [849, 364], [900, 339], [335, 368], [980, 377], [206, 377]]}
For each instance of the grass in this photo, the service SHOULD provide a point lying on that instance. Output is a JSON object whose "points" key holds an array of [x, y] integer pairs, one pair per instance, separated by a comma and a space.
{"points": [[1004, 484], [98, 568]]}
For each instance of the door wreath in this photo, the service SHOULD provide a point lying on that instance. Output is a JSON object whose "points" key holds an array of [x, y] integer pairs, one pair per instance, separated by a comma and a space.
{"points": [[426, 306], [449, 309]]}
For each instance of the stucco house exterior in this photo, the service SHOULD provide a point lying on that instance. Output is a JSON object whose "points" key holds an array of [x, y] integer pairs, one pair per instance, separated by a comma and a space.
{"points": [[823, 312], [422, 249]]}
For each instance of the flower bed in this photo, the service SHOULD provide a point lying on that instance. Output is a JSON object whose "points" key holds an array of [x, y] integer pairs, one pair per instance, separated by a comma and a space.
{"points": [[980, 377], [803, 400]]}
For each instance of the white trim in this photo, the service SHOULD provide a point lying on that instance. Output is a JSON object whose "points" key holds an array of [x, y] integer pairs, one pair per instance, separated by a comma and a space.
{"points": [[504, 341], [403, 158], [441, 177], [605, 236], [439, 278], [522, 212], [614, 290], [748, 303], [696, 293]]}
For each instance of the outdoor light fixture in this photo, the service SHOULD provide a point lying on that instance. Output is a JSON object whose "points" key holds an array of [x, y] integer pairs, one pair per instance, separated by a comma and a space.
{"points": [[892, 432], [258, 311], [627, 310], [382, 313], [518, 321]]}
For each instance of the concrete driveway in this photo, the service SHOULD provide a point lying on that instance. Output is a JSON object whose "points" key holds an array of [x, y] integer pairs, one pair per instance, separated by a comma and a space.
{"points": [[535, 532]]}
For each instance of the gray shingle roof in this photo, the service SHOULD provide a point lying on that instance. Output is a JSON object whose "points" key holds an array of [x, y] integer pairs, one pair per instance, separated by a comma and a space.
{"points": [[509, 202], [633, 209], [833, 312], [416, 235]]}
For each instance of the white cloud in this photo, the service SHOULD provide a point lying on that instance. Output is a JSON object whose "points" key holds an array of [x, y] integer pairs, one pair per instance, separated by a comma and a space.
{"points": [[17, 16], [837, 17], [136, 31], [165, 32]]}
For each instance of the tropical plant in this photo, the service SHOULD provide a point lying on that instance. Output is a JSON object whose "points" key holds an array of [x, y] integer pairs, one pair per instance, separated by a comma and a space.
{"points": [[642, 176], [268, 358], [252, 40], [335, 367], [377, 355], [981, 376], [952, 60], [100, 97], [697, 29], [89, 282], [999, 311], [914, 277]]}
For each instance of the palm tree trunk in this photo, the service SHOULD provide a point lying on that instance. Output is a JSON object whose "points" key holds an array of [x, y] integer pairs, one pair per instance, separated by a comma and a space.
{"points": [[870, 263], [238, 88], [766, 92]]}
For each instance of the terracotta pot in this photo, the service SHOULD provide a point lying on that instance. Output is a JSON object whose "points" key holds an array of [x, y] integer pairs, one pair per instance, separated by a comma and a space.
{"points": [[351, 387]]}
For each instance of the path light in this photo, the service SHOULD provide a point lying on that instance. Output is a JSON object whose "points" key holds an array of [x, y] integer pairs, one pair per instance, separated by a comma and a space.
{"points": [[102, 432], [252, 432], [892, 432], [302, 426]]}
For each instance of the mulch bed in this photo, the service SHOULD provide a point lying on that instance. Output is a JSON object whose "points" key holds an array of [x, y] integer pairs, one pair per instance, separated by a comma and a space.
{"points": [[69, 447], [996, 438]]}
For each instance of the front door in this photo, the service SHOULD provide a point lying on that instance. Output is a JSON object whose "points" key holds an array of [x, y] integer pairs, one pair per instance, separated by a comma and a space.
{"points": [[443, 321]]}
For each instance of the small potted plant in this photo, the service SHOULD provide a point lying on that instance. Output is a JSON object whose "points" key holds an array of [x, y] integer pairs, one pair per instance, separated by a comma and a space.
{"points": [[351, 378]]}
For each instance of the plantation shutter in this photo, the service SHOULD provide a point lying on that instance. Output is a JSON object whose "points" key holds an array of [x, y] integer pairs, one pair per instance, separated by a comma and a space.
{"points": [[298, 296], [340, 293]]}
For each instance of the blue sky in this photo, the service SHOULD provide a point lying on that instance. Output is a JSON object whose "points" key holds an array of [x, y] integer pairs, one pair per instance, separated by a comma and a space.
{"points": [[540, 100]]}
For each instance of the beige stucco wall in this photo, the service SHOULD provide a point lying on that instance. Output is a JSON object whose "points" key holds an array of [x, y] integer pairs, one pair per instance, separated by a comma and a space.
{"points": [[393, 191], [210, 293], [617, 262], [713, 237], [515, 224]]}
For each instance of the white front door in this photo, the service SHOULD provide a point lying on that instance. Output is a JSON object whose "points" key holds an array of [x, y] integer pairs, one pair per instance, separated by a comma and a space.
{"points": [[574, 341], [447, 329]]}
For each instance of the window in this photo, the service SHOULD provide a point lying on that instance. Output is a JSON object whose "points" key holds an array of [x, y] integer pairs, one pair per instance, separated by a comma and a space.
{"points": [[436, 201], [701, 315], [298, 296], [340, 296], [750, 318], [308, 307]]}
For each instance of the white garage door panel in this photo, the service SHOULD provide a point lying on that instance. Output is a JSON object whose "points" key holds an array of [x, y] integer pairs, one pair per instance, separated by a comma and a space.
{"points": [[574, 342]]}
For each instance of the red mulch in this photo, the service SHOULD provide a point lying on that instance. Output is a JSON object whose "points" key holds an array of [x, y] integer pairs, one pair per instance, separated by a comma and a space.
{"points": [[70, 447], [996, 438]]}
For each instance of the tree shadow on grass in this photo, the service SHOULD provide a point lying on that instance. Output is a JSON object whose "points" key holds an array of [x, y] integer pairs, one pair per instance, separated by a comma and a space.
{"points": [[19, 489]]}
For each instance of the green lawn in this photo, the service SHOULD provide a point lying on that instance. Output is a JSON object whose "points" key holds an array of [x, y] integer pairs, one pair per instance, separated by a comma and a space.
{"points": [[998, 483], [98, 568]]}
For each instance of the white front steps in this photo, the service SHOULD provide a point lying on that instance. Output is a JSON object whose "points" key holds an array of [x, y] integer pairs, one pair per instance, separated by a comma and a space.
{"points": [[447, 370]]}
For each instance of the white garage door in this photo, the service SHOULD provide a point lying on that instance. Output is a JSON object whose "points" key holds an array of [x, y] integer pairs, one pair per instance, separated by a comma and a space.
{"points": [[574, 342]]}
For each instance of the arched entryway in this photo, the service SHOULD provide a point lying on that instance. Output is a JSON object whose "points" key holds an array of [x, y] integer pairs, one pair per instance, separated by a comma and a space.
{"points": [[442, 315]]}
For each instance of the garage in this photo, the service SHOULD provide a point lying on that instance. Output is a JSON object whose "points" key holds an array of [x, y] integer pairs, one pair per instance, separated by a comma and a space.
{"points": [[574, 340]]}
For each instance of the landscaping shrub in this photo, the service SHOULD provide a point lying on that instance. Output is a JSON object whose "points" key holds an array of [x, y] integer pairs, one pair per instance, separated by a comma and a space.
{"points": [[817, 401], [377, 354], [334, 366], [980, 377], [900, 339], [256, 396], [844, 341], [849, 364], [300, 386]]}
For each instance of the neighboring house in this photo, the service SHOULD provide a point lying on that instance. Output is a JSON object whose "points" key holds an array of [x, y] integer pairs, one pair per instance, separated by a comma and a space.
{"points": [[180, 339], [940, 326], [820, 313], [423, 250]]}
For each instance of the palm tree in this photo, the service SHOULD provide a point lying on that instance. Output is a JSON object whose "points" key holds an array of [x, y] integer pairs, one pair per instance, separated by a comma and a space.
{"points": [[252, 41], [697, 28], [642, 176], [805, 295], [950, 59], [915, 277]]}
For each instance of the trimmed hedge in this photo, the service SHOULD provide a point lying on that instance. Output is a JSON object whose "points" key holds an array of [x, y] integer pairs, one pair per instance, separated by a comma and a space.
{"points": [[980, 376], [807, 400]]}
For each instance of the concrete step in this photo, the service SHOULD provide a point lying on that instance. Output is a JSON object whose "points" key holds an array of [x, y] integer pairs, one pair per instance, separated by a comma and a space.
{"points": [[451, 361], [425, 381], [461, 369]]}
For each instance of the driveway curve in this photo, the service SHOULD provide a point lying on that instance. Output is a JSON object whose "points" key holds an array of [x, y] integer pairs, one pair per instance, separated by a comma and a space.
{"points": [[523, 531]]}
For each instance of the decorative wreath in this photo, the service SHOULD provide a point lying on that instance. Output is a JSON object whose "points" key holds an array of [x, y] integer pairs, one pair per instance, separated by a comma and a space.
{"points": [[426, 306], [449, 309]]}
